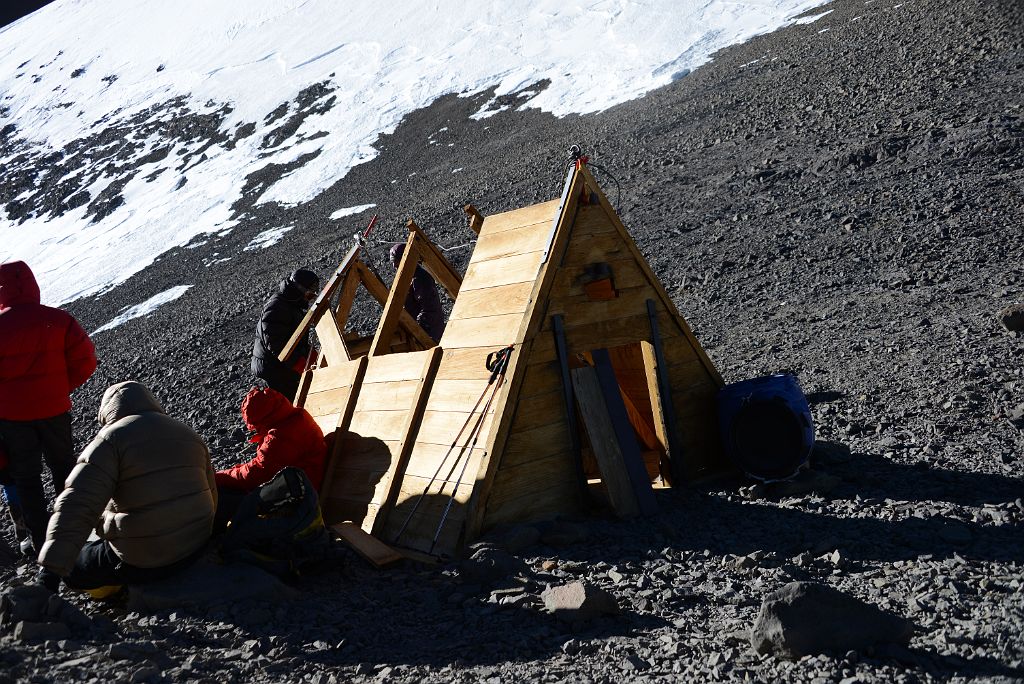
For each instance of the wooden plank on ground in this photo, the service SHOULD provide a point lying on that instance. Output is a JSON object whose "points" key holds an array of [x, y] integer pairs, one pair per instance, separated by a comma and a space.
{"points": [[604, 441], [375, 551]]}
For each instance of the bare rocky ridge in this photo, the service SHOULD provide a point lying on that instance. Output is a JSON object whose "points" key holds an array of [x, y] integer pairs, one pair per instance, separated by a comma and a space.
{"points": [[845, 204]]}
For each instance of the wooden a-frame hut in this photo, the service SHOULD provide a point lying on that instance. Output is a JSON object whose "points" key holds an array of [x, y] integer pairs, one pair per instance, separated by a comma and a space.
{"points": [[565, 285]]}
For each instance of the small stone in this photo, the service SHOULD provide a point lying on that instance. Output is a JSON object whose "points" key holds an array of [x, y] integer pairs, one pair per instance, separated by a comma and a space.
{"points": [[579, 602], [548, 565], [615, 576], [41, 631], [146, 673]]}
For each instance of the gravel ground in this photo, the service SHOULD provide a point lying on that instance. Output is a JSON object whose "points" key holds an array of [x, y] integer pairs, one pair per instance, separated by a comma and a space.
{"points": [[841, 199]]}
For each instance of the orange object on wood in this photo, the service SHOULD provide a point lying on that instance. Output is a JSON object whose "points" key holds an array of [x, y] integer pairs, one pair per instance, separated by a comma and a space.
{"points": [[600, 290]]}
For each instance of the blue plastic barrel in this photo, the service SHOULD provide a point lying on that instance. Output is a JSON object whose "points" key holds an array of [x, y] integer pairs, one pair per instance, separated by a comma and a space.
{"points": [[766, 426]]}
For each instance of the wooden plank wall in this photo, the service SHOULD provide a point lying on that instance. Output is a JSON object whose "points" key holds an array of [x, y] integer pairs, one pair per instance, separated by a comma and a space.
{"points": [[492, 302], [329, 391], [368, 456]]}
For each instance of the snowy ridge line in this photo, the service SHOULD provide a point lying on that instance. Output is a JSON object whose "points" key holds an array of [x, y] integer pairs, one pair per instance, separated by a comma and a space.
{"points": [[203, 95]]}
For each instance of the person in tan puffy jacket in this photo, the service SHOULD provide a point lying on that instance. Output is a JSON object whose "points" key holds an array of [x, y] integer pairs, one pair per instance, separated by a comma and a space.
{"points": [[147, 479]]}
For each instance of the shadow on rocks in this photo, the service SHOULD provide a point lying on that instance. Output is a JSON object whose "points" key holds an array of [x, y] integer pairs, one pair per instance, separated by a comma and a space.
{"points": [[875, 475]]}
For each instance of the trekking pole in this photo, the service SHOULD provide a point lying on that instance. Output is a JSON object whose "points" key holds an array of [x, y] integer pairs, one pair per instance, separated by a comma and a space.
{"points": [[500, 366], [492, 364]]}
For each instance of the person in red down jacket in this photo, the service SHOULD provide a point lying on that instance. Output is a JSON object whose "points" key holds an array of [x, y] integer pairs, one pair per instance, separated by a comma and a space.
{"points": [[286, 435], [44, 356]]}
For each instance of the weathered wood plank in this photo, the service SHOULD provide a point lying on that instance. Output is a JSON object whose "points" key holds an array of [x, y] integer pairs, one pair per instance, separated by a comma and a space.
{"points": [[333, 376], [514, 482], [442, 427], [525, 446], [510, 220], [544, 504], [604, 442], [625, 434], [360, 453], [384, 425], [493, 301], [396, 367], [514, 269], [331, 344], [456, 395], [427, 459], [528, 238], [464, 364], [328, 402], [387, 396], [435, 262], [490, 331], [376, 552]]}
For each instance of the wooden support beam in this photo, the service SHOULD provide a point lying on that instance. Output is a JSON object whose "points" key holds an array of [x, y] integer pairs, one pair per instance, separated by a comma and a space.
{"points": [[321, 304], [347, 297], [673, 440], [570, 406], [604, 442], [395, 304], [435, 262], [379, 291], [476, 219], [331, 343], [624, 434]]}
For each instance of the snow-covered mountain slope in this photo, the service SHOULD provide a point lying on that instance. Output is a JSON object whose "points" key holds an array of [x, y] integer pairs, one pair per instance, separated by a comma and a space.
{"points": [[128, 127]]}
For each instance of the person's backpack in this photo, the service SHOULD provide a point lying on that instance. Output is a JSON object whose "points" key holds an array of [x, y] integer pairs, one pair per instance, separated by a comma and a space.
{"points": [[278, 526]]}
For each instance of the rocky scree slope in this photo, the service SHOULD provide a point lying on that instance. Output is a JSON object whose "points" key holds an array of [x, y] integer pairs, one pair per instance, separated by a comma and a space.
{"points": [[841, 203]]}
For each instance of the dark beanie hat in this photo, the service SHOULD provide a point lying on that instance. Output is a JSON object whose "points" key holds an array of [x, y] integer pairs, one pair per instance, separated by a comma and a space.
{"points": [[305, 278]]}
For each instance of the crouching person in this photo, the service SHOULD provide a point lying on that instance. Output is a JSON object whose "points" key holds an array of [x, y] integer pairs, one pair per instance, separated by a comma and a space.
{"points": [[286, 435], [147, 479]]}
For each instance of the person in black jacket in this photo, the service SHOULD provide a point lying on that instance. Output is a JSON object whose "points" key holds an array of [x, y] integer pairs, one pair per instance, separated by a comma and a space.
{"points": [[422, 302], [281, 315]]}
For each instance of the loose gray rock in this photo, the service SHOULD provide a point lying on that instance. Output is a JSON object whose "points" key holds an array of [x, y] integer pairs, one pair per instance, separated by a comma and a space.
{"points": [[1012, 318], [806, 618], [488, 565], [41, 631], [578, 602]]}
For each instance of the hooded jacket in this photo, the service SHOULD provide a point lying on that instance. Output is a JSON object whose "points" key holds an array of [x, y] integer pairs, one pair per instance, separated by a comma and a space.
{"points": [[146, 478], [281, 315], [44, 353], [422, 302], [287, 436]]}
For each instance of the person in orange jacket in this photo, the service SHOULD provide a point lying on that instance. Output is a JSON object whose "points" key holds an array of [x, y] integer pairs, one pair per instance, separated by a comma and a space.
{"points": [[286, 435]]}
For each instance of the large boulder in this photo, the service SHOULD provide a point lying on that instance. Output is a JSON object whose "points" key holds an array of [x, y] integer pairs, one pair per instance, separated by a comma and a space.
{"points": [[806, 618], [206, 583]]}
